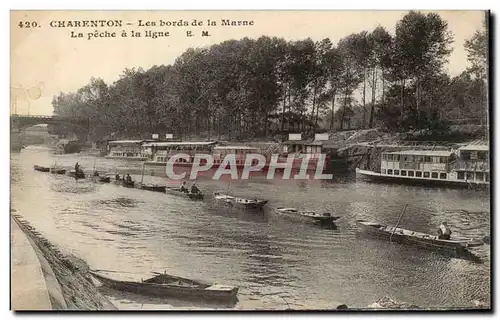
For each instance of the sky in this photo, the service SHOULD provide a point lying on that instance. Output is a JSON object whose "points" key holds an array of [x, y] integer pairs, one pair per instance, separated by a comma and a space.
{"points": [[46, 60]]}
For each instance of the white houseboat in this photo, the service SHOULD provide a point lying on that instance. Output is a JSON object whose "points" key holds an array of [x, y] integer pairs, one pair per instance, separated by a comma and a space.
{"points": [[468, 166], [126, 149], [158, 153]]}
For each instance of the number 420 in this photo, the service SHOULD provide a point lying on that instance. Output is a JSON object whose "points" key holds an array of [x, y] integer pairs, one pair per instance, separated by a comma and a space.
{"points": [[28, 24]]}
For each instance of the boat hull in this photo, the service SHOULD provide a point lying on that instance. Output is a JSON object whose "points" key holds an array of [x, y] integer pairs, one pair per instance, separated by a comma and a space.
{"points": [[41, 169], [57, 171], [153, 289], [191, 196], [153, 188], [320, 220], [381, 178], [76, 175], [422, 240]]}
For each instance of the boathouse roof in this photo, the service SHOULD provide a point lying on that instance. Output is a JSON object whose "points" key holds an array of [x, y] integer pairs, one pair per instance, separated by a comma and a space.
{"points": [[475, 147], [125, 141], [179, 143], [235, 147], [435, 153]]}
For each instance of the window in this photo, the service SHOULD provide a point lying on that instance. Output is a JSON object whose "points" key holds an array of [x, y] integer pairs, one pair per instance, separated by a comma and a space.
{"points": [[460, 175], [396, 172], [486, 177], [469, 175], [479, 176], [405, 158], [389, 171], [383, 171], [403, 173], [411, 173], [427, 159], [418, 174], [427, 174], [434, 175], [442, 175]]}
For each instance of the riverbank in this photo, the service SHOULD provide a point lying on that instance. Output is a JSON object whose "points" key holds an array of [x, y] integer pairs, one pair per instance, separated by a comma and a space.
{"points": [[68, 285]]}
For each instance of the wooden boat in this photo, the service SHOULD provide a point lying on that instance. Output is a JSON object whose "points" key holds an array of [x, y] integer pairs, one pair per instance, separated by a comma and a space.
{"points": [[127, 184], [104, 179], [57, 171], [239, 202], [41, 169], [189, 195], [151, 187], [310, 216], [170, 286], [419, 238], [76, 175]]}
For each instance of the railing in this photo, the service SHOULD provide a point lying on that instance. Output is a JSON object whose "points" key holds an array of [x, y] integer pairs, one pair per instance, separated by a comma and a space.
{"points": [[472, 165]]}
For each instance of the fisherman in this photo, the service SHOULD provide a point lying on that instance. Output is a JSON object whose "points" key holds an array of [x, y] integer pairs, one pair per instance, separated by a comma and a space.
{"points": [[184, 187], [194, 188], [77, 168], [444, 232]]}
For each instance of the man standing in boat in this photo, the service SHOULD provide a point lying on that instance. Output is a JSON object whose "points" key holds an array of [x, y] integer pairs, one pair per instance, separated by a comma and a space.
{"points": [[444, 232]]}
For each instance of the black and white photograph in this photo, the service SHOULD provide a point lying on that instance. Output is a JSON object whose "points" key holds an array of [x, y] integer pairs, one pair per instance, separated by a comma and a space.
{"points": [[250, 160]]}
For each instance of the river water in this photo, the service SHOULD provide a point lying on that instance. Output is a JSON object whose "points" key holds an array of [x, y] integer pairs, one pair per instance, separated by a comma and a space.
{"points": [[277, 263]]}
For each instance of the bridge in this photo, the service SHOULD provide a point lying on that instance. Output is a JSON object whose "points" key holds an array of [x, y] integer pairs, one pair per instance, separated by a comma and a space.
{"points": [[21, 122]]}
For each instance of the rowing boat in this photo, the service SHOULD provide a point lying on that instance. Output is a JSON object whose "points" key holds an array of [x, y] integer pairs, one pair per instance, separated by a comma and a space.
{"points": [[189, 195], [41, 169], [151, 187], [170, 286], [239, 202], [419, 238], [75, 174], [308, 216], [57, 171]]}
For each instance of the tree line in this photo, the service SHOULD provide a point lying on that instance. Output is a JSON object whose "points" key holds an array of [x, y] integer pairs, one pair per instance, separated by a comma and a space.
{"points": [[261, 88]]}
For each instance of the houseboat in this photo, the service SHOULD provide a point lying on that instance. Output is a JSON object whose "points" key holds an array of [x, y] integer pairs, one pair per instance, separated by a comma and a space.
{"points": [[311, 150], [240, 153], [468, 166], [158, 153], [126, 149]]}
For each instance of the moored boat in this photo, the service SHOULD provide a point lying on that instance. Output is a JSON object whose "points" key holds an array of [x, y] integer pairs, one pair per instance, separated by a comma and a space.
{"points": [[170, 286], [104, 179], [151, 187], [239, 202], [41, 168], [419, 238], [309, 216], [76, 174], [57, 171], [189, 195]]}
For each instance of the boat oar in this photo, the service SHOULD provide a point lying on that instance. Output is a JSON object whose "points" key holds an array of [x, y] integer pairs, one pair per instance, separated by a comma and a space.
{"points": [[399, 220]]}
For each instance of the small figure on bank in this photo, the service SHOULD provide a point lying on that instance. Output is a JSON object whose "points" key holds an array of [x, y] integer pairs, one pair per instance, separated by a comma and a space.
{"points": [[184, 187], [96, 174], [117, 177], [77, 168], [444, 232], [129, 178]]}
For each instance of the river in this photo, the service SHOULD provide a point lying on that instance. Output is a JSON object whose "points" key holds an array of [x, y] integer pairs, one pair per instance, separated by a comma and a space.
{"points": [[277, 263]]}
